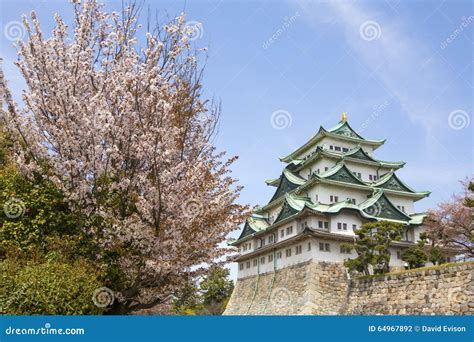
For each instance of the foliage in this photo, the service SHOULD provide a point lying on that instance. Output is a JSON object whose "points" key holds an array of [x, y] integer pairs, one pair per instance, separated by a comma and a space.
{"points": [[187, 300], [124, 134], [209, 298], [45, 259], [48, 288], [415, 257], [42, 211], [423, 251], [373, 240], [450, 225], [216, 289]]}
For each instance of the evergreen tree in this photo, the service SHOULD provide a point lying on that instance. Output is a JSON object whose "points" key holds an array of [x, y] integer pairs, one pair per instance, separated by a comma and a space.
{"points": [[373, 240]]}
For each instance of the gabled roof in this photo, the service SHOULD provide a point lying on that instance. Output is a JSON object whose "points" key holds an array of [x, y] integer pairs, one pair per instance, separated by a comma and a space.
{"points": [[343, 128], [252, 225], [287, 182], [390, 181], [292, 205], [341, 173], [376, 208], [359, 153], [343, 131], [356, 155], [381, 207]]}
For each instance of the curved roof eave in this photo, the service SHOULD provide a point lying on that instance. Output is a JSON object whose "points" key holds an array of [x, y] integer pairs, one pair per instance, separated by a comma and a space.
{"points": [[323, 132]]}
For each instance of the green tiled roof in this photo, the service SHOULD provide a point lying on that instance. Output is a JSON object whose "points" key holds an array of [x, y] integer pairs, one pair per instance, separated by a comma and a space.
{"points": [[377, 208], [343, 128], [356, 155], [253, 225], [390, 181], [342, 131], [380, 206], [341, 173]]}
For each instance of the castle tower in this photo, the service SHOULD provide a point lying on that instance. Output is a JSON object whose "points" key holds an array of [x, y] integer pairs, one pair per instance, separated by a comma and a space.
{"points": [[330, 186]]}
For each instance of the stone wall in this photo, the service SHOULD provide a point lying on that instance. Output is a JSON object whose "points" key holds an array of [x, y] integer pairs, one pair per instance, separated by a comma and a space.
{"points": [[443, 290], [322, 288]]}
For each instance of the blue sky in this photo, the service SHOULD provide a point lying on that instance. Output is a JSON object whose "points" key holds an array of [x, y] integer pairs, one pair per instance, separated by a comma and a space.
{"points": [[402, 70]]}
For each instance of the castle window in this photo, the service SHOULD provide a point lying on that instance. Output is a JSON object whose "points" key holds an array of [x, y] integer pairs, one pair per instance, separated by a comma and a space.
{"points": [[337, 148], [345, 149], [399, 255], [320, 224], [241, 266], [278, 255], [339, 225], [331, 147], [288, 252], [262, 242], [326, 225], [354, 227], [255, 262], [282, 233], [370, 177], [248, 264], [289, 230], [304, 224], [271, 238], [309, 246], [326, 168], [327, 247], [359, 174], [298, 249], [321, 246], [262, 260], [270, 258], [344, 226]]}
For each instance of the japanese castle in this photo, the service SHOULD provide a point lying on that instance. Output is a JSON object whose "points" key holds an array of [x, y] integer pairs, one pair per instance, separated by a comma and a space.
{"points": [[329, 187]]}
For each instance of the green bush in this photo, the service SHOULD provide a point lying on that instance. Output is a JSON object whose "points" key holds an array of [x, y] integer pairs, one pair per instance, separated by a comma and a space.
{"points": [[48, 288]]}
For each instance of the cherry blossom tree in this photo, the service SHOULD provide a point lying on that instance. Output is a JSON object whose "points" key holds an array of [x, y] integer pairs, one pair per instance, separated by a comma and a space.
{"points": [[451, 223], [117, 120]]}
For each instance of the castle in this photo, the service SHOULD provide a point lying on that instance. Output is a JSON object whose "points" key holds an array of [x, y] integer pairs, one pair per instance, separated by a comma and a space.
{"points": [[330, 186]]}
